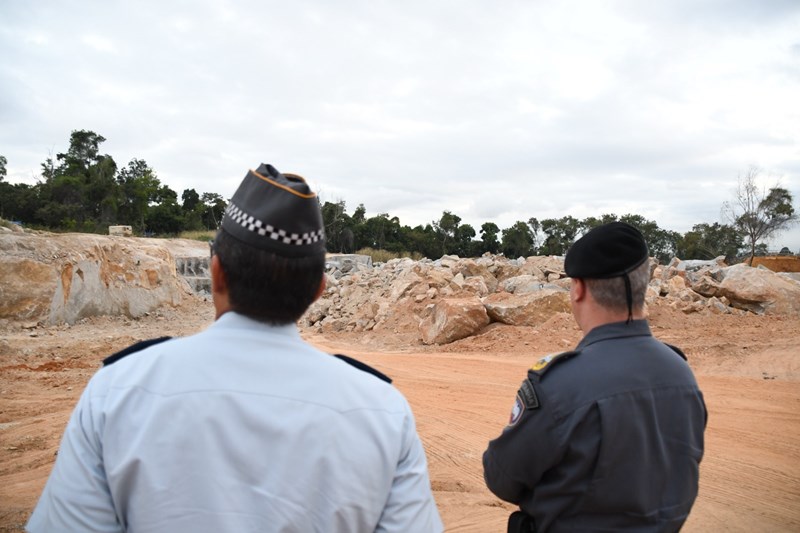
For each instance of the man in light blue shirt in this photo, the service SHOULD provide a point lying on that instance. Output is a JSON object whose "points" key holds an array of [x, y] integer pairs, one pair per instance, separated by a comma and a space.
{"points": [[244, 426]]}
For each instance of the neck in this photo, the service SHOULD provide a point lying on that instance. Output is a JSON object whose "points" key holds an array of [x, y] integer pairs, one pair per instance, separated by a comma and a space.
{"points": [[600, 316]]}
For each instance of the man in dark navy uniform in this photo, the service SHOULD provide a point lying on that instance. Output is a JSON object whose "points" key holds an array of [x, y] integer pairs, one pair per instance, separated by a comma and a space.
{"points": [[609, 436]]}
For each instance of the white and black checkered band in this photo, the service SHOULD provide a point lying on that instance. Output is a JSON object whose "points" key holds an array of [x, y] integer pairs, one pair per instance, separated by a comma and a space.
{"points": [[251, 223]]}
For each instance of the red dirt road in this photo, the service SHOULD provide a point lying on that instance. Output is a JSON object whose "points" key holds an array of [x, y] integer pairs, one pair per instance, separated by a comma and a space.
{"points": [[747, 366]]}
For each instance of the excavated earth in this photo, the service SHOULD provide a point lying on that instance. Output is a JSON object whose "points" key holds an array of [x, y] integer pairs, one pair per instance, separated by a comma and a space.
{"points": [[461, 393]]}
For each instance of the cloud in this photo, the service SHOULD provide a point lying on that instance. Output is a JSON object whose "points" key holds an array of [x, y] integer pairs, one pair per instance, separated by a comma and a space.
{"points": [[531, 109]]}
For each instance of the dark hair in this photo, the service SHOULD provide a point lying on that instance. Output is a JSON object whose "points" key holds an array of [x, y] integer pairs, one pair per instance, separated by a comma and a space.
{"points": [[266, 286]]}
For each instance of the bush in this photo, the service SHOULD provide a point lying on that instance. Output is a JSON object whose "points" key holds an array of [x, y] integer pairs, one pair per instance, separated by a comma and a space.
{"points": [[204, 235]]}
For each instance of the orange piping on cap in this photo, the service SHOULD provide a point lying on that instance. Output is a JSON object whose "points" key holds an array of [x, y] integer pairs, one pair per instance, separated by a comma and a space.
{"points": [[284, 187]]}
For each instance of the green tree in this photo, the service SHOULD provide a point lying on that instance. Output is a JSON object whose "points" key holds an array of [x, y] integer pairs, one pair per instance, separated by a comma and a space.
{"points": [[335, 220], [423, 240], [489, 231], [662, 244], [518, 240], [190, 199], [559, 233], [213, 208], [446, 228], [536, 227], [140, 187], [3, 163], [707, 241], [463, 240], [759, 213]]}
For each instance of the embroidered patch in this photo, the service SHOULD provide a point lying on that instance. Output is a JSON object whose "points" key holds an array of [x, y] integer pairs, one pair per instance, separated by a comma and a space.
{"points": [[542, 365], [516, 411], [528, 395]]}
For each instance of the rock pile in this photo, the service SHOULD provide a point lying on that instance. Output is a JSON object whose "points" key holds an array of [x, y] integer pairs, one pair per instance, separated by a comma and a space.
{"points": [[453, 298], [62, 278]]}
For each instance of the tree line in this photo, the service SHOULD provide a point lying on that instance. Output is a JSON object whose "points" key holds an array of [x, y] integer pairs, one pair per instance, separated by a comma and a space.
{"points": [[85, 191]]}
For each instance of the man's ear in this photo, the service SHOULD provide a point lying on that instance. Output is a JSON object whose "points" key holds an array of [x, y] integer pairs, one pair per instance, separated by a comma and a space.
{"points": [[578, 290], [321, 288], [219, 285]]}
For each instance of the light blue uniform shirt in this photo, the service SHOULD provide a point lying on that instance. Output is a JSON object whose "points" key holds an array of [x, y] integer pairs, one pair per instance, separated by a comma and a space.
{"points": [[243, 427]]}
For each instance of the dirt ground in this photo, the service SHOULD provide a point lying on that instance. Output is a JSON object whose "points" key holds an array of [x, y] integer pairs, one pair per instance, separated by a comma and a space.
{"points": [[747, 366]]}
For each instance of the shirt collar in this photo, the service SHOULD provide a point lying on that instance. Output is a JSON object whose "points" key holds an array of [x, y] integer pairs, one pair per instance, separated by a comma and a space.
{"points": [[616, 330], [234, 320]]}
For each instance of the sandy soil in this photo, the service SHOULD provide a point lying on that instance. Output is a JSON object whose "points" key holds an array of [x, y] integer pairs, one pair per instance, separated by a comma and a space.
{"points": [[748, 368]]}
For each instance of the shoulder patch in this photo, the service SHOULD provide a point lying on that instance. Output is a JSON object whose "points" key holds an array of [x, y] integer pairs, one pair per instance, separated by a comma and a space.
{"points": [[677, 351], [526, 400], [545, 363], [364, 367], [138, 347]]}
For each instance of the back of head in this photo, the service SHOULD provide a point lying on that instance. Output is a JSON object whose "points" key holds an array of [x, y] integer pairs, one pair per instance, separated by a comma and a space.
{"points": [[612, 259], [272, 246]]}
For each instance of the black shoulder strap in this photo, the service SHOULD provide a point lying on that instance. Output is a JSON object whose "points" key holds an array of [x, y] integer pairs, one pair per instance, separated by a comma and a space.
{"points": [[677, 351], [138, 347], [362, 366]]}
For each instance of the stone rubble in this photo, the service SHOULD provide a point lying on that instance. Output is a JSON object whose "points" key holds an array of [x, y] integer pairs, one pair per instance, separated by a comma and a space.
{"points": [[62, 278]]}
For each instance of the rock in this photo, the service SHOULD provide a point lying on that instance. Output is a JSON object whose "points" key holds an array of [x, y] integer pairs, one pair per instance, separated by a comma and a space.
{"points": [[476, 285], [82, 275], [529, 309], [706, 285], [694, 307], [760, 291], [522, 284], [453, 319], [469, 268], [338, 265], [675, 285]]}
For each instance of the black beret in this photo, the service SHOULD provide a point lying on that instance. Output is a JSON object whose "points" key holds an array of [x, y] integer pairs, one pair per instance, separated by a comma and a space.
{"points": [[607, 251], [276, 212]]}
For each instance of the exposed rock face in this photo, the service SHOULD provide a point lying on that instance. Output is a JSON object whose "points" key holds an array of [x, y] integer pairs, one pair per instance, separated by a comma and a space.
{"points": [[760, 291], [453, 319], [57, 278]]}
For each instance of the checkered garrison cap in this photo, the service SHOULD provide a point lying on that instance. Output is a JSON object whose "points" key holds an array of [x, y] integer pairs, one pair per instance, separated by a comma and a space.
{"points": [[276, 212]]}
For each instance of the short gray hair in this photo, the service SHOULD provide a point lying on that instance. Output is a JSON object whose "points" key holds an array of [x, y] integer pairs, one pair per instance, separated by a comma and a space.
{"points": [[610, 292]]}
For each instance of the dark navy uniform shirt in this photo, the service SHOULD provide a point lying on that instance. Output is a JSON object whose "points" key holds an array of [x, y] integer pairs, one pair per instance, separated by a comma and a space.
{"points": [[606, 438]]}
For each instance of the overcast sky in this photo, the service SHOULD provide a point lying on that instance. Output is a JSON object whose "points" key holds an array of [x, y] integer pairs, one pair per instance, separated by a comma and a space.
{"points": [[496, 111]]}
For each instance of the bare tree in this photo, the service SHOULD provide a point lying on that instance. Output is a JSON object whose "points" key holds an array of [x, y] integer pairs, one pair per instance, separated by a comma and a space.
{"points": [[759, 213]]}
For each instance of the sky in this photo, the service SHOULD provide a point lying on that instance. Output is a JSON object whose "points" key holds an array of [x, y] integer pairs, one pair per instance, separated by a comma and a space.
{"points": [[494, 111]]}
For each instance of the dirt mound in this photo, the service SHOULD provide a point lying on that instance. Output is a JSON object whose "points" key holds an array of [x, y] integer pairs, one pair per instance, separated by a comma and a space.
{"points": [[778, 263]]}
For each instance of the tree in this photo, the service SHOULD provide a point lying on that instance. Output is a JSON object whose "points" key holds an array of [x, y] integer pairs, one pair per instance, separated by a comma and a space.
{"points": [[336, 220], [213, 208], [559, 234], [190, 200], [446, 228], [757, 212], [518, 240], [489, 231], [3, 163], [707, 241], [536, 227], [463, 240], [140, 188], [662, 244]]}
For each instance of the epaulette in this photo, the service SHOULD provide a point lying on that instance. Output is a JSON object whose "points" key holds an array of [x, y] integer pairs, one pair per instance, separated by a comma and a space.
{"points": [[545, 363], [138, 347], [364, 367], [677, 351]]}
